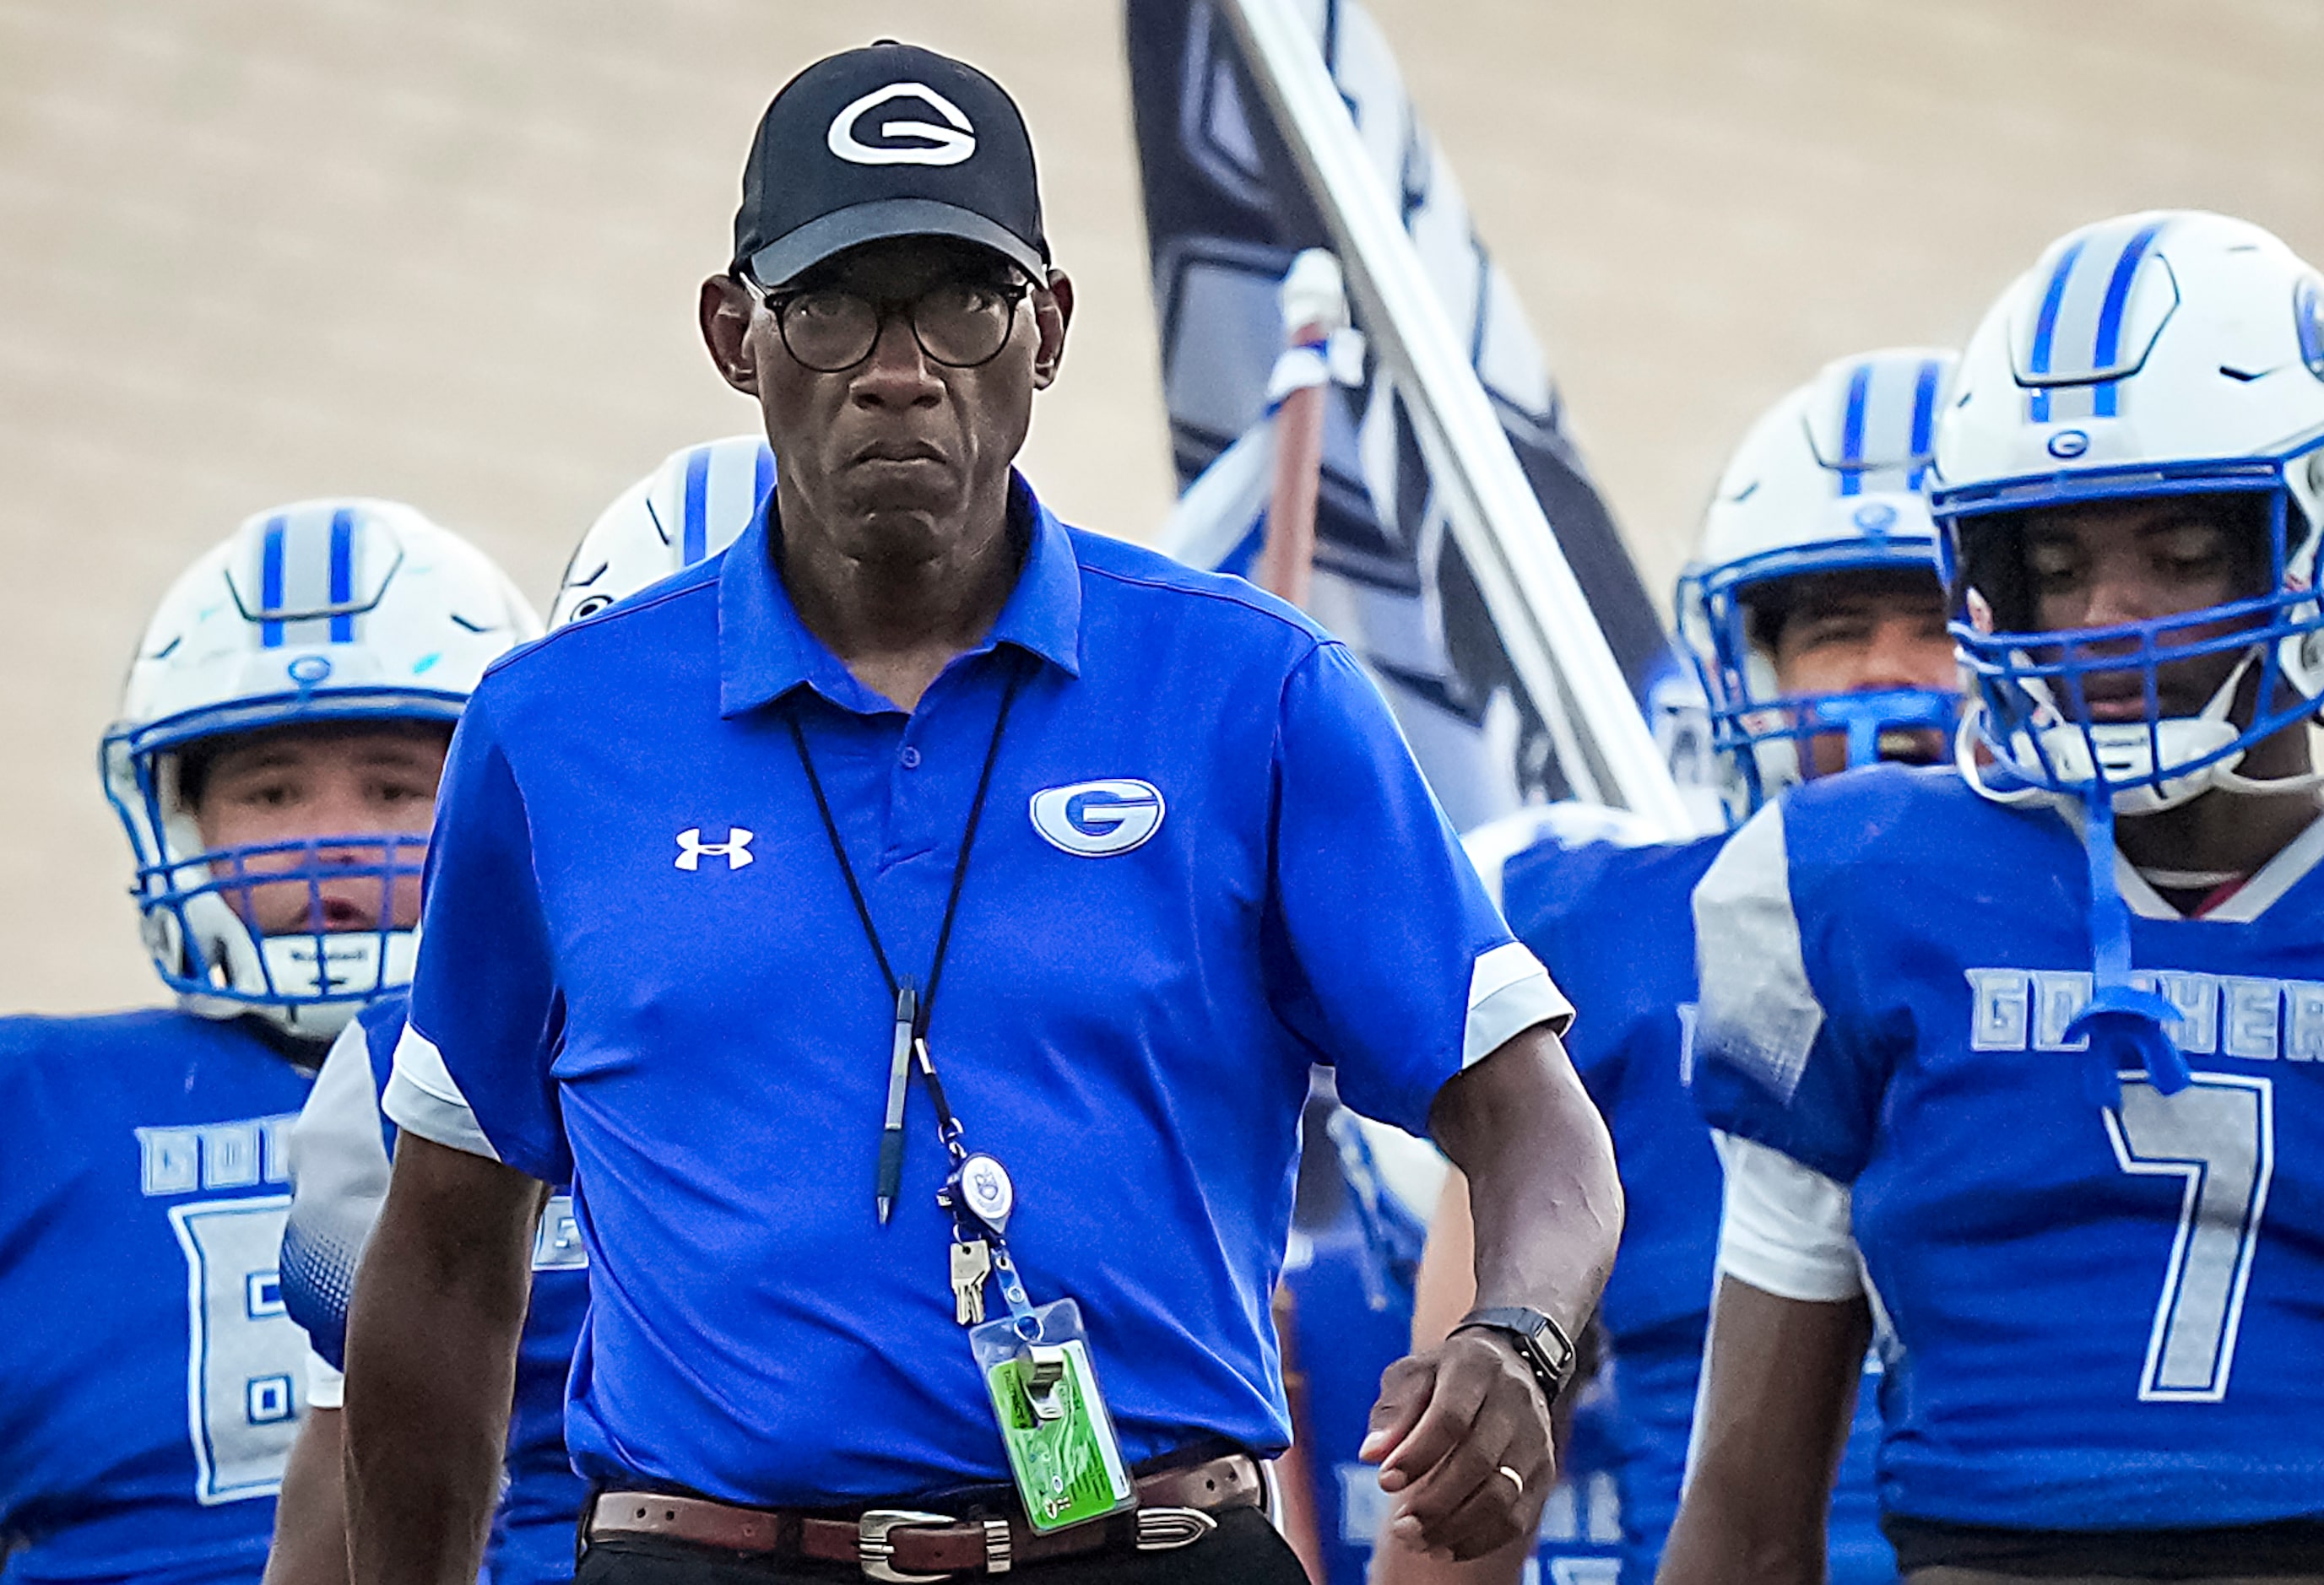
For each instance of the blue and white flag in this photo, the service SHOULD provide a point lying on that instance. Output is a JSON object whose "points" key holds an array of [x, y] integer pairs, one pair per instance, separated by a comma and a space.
{"points": [[1226, 212]]}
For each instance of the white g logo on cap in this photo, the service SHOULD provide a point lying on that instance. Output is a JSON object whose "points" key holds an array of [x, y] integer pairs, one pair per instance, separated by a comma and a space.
{"points": [[942, 145]]}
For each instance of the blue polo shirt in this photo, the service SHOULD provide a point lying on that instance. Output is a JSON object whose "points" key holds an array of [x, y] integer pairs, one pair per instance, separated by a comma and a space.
{"points": [[642, 971]]}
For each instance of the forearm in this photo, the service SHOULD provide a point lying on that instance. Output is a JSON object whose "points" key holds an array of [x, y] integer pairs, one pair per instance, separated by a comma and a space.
{"points": [[439, 1303], [1779, 1393], [1720, 1538], [1735, 1528], [310, 1517], [1545, 1206]]}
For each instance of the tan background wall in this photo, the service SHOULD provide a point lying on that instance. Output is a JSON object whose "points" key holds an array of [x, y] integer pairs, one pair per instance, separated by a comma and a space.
{"points": [[252, 250]]}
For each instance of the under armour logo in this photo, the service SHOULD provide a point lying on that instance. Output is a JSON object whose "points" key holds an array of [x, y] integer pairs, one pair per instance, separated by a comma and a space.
{"points": [[735, 850], [935, 145]]}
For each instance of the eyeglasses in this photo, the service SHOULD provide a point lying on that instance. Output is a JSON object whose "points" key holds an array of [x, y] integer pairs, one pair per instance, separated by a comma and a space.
{"points": [[959, 324]]}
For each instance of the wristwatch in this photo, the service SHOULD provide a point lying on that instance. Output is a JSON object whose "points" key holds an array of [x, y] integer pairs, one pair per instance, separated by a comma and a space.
{"points": [[1538, 1340]]}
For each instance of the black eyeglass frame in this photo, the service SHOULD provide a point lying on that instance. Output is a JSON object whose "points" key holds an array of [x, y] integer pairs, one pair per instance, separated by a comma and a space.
{"points": [[779, 302]]}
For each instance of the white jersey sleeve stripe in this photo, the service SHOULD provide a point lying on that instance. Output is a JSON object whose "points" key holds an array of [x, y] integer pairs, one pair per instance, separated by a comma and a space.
{"points": [[423, 1097], [1508, 993], [1757, 1009], [1787, 1229], [326, 1389]]}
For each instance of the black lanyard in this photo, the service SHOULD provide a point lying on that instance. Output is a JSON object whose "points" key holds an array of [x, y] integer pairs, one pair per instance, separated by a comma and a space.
{"points": [[913, 1009]]}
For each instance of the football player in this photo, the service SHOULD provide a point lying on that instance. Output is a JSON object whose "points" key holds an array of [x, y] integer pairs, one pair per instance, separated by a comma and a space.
{"points": [[695, 505], [1816, 622], [275, 767], [2026, 1062]]}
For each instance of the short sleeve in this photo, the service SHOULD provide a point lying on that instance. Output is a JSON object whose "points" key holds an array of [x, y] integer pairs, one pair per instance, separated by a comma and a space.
{"points": [[338, 1182], [327, 1384], [472, 1068], [1786, 1231], [1399, 970], [1772, 1062]]}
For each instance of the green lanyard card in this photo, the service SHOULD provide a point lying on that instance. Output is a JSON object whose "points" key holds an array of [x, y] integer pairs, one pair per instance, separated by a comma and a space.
{"points": [[1061, 1441]]}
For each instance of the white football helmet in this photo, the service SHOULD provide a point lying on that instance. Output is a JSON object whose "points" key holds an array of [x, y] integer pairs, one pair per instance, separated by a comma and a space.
{"points": [[1831, 479], [2171, 352], [323, 611], [694, 505]]}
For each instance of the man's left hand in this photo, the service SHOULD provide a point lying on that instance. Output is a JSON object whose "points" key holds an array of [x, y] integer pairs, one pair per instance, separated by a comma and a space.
{"points": [[1463, 1439]]}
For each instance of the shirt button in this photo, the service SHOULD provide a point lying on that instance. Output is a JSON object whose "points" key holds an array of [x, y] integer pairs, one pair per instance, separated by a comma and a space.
{"points": [[910, 757]]}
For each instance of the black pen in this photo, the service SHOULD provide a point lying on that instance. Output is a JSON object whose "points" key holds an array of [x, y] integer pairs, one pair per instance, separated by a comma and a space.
{"points": [[899, 1073]]}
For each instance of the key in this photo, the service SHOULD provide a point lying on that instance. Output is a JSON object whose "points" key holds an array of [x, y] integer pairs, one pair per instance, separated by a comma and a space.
{"points": [[972, 1262]]}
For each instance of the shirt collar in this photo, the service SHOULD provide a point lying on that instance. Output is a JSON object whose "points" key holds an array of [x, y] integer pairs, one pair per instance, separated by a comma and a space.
{"points": [[765, 650]]}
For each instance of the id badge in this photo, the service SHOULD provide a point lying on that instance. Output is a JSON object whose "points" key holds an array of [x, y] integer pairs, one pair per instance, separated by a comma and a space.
{"points": [[1061, 1442]]}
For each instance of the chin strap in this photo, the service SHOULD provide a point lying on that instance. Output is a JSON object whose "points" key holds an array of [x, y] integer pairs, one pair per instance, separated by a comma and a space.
{"points": [[2124, 1018], [1967, 740], [2232, 781]]}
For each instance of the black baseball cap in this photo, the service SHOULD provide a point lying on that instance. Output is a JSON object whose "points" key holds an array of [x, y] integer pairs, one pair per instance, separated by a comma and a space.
{"points": [[888, 141]]}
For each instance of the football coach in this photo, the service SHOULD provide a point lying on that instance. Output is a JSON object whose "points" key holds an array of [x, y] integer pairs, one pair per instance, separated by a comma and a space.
{"points": [[910, 932]]}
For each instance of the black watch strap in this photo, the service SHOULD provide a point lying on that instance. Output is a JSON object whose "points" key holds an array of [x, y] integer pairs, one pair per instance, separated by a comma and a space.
{"points": [[1539, 1341]]}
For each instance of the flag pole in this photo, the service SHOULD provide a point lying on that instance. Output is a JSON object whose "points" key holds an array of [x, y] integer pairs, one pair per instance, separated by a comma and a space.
{"points": [[1314, 308], [1552, 639]]}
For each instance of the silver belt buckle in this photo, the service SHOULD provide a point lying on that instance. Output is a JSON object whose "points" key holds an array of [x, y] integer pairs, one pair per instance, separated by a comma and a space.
{"points": [[1168, 1529], [873, 1549]]}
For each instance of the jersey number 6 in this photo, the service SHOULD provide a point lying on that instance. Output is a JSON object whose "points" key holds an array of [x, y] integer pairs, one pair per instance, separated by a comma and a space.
{"points": [[244, 1353]]}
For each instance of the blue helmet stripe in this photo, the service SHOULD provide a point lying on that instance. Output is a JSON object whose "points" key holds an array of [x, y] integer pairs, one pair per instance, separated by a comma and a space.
{"points": [[695, 539], [2118, 297], [270, 583], [1925, 416], [343, 573], [1851, 431], [2045, 328]]}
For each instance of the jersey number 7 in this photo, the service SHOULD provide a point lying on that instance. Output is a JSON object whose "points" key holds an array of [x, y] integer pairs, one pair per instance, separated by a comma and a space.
{"points": [[2218, 1135]]}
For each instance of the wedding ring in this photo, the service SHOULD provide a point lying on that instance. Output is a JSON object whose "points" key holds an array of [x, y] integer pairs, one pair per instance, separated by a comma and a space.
{"points": [[1516, 1479]]}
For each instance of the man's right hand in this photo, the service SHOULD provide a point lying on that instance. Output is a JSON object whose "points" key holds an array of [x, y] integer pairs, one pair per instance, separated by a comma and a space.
{"points": [[1463, 1439]]}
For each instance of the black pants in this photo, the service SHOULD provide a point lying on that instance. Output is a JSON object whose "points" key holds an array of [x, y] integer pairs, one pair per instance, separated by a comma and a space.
{"points": [[1245, 1549]]}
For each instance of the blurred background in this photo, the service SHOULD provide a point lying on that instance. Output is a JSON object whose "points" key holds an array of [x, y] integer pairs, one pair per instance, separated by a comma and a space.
{"points": [[253, 250]]}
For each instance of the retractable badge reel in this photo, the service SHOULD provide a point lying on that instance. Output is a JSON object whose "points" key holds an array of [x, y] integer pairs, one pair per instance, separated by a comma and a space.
{"points": [[1036, 1363]]}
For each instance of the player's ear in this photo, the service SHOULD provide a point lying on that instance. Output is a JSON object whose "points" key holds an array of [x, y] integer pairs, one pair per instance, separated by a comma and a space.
{"points": [[726, 310]]}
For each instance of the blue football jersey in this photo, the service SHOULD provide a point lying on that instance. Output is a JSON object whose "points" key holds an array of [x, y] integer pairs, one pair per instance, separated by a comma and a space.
{"points": [[150, 1382], [1614, 925], [1351, 1275], [341, 1149], [1615, 920], [2103, 1318]]}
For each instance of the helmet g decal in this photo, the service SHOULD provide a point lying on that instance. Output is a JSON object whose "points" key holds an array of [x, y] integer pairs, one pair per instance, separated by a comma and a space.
{"points": [[1094, 819]]}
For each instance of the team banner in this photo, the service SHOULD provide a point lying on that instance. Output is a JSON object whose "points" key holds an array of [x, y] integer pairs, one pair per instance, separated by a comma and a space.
{"points": [[1226, 213]]}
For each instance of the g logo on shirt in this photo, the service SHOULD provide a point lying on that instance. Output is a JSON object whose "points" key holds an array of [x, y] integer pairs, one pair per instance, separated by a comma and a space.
{"points": [[1093, 819], [936, 146]]}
